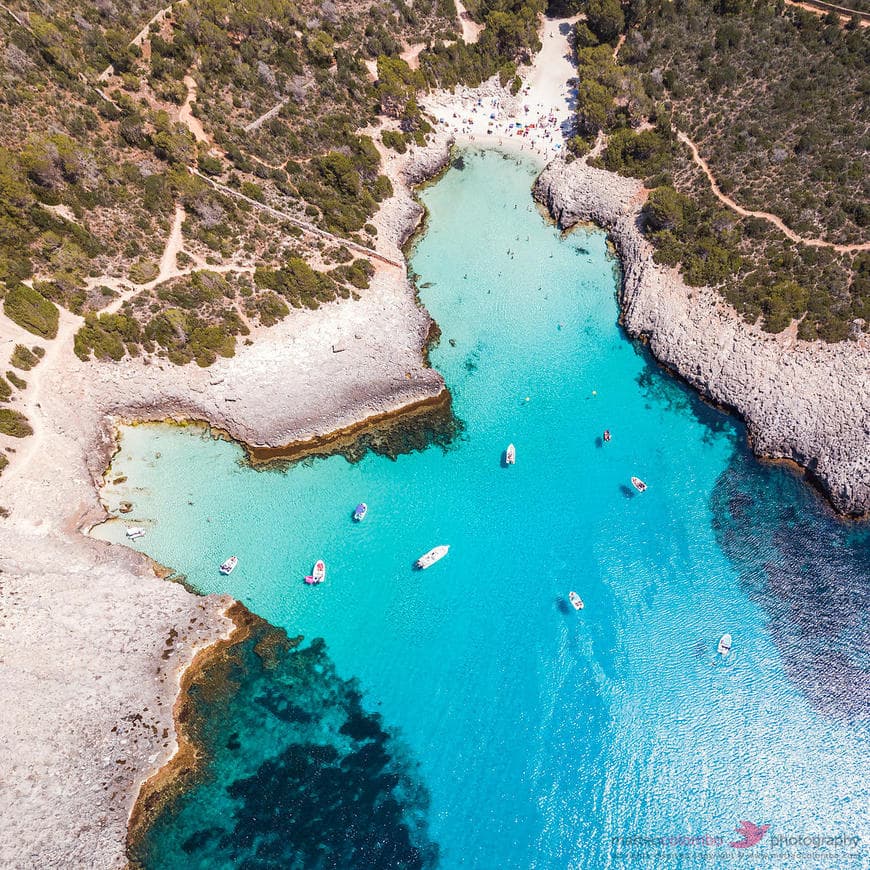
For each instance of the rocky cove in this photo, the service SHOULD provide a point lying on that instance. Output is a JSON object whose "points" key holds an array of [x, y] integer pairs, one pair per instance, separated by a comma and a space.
{"points": [[805, 402], [808, 403]]}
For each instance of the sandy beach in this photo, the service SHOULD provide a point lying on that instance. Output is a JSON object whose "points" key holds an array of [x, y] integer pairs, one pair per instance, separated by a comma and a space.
{"points": [[93, 643], [537, 120]]}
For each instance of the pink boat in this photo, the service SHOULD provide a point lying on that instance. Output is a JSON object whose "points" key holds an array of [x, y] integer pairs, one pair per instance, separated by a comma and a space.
{"points": [[318, 574]]}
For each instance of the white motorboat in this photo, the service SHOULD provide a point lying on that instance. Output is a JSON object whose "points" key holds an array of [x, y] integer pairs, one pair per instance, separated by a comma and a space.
{"points": [[638, 484], [229, 566], [724, 645], [432, 556], [318, 573], [510, 455], [576, 600], [360, 512], [135, 532]]}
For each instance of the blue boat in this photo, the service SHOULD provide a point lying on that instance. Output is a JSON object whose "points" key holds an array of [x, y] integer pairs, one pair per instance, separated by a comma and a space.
{"points": [[361, 510]]}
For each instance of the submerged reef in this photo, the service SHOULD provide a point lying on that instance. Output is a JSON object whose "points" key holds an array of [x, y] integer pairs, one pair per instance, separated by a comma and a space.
{"points": [[809, 572], [287, 769]]}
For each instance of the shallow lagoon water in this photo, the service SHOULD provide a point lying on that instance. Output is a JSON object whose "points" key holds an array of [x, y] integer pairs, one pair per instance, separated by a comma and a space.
{"points": [[512, 731]]}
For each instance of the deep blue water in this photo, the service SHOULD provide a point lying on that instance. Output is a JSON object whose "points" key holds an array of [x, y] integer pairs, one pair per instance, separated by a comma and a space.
{"points": [[466, 716]]}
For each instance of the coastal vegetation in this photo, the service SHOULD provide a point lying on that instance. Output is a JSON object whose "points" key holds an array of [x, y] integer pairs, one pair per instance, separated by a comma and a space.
{"points": [[98, 156], [24, 358], [786, 147], [14, 423], [15, 380], [28, 308], [89, 181]]}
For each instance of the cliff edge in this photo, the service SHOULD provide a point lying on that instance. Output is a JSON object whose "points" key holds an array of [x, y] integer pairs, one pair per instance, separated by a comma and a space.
{"points": [[807, 402]]}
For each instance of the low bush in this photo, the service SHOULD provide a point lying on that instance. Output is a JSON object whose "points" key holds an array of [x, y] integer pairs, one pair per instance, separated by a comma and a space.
{"points": [[24, 358], [17, 382], [14, 424], [31, 311]]}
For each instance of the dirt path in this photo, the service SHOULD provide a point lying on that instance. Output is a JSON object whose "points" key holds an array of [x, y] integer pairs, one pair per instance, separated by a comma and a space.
{"points": [[185, 113], [471, 30], [619, 43], [845, 15], [764, 215], [303, 225], [411, 56], [139, 38], [30, 400]]}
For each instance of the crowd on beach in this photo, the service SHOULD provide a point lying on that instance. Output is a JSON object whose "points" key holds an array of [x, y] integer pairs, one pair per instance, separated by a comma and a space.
{"points": [[492, 119]]}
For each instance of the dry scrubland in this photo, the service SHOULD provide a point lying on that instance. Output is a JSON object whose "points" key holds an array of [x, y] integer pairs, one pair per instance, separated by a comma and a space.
{"points": [[776, 100]]}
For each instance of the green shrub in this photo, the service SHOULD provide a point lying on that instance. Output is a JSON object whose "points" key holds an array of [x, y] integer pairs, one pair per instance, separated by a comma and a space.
{"points": [[4, 461], [5, 390], [23, 358], [14, 423], [640, 155], [210, 165], [298, 283], [395, 140], [665, 209], [207, 342], [143, 271], [605, 19], [271, 308], [108, 336], [20, 383], [31, 311]]}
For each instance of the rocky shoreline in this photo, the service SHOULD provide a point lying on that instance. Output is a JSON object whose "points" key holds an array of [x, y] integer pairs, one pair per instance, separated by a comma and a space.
{"points": [[94, 643], [805, 402]]}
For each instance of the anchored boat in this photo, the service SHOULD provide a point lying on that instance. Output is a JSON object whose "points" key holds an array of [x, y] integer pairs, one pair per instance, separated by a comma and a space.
{"points": [[230, 564], [724, 645], [510, 455], [135, 532], [575, 600], [360, 512], [318, 573], [638, 484], [432, 557]]}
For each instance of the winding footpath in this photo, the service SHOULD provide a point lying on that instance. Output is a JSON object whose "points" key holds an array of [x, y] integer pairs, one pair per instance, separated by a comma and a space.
{"points": [[764, 215], [303, 225]]}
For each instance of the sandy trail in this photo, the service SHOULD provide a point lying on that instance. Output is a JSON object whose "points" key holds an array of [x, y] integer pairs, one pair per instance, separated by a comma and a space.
{"points": [[31, 400], [139, 38], [185, 114], [845, 15], [764, 215], [411, 56], [168, 268], [471, 30]]}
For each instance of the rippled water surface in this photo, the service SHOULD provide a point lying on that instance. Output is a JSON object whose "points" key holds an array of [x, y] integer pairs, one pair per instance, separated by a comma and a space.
{"points": [[466, 716]]}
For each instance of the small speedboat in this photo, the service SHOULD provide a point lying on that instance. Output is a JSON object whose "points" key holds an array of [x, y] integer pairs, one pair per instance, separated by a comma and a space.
{"points": [[432, 557], [638, 484], [576, 600], [510, 455], [230, 564], [318, 573], [135, 532], [724, 645], [360, 512], [606, 434]]}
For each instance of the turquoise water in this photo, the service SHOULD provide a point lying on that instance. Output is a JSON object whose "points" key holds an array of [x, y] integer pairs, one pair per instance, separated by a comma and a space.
{"points": [[512, 732]]}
